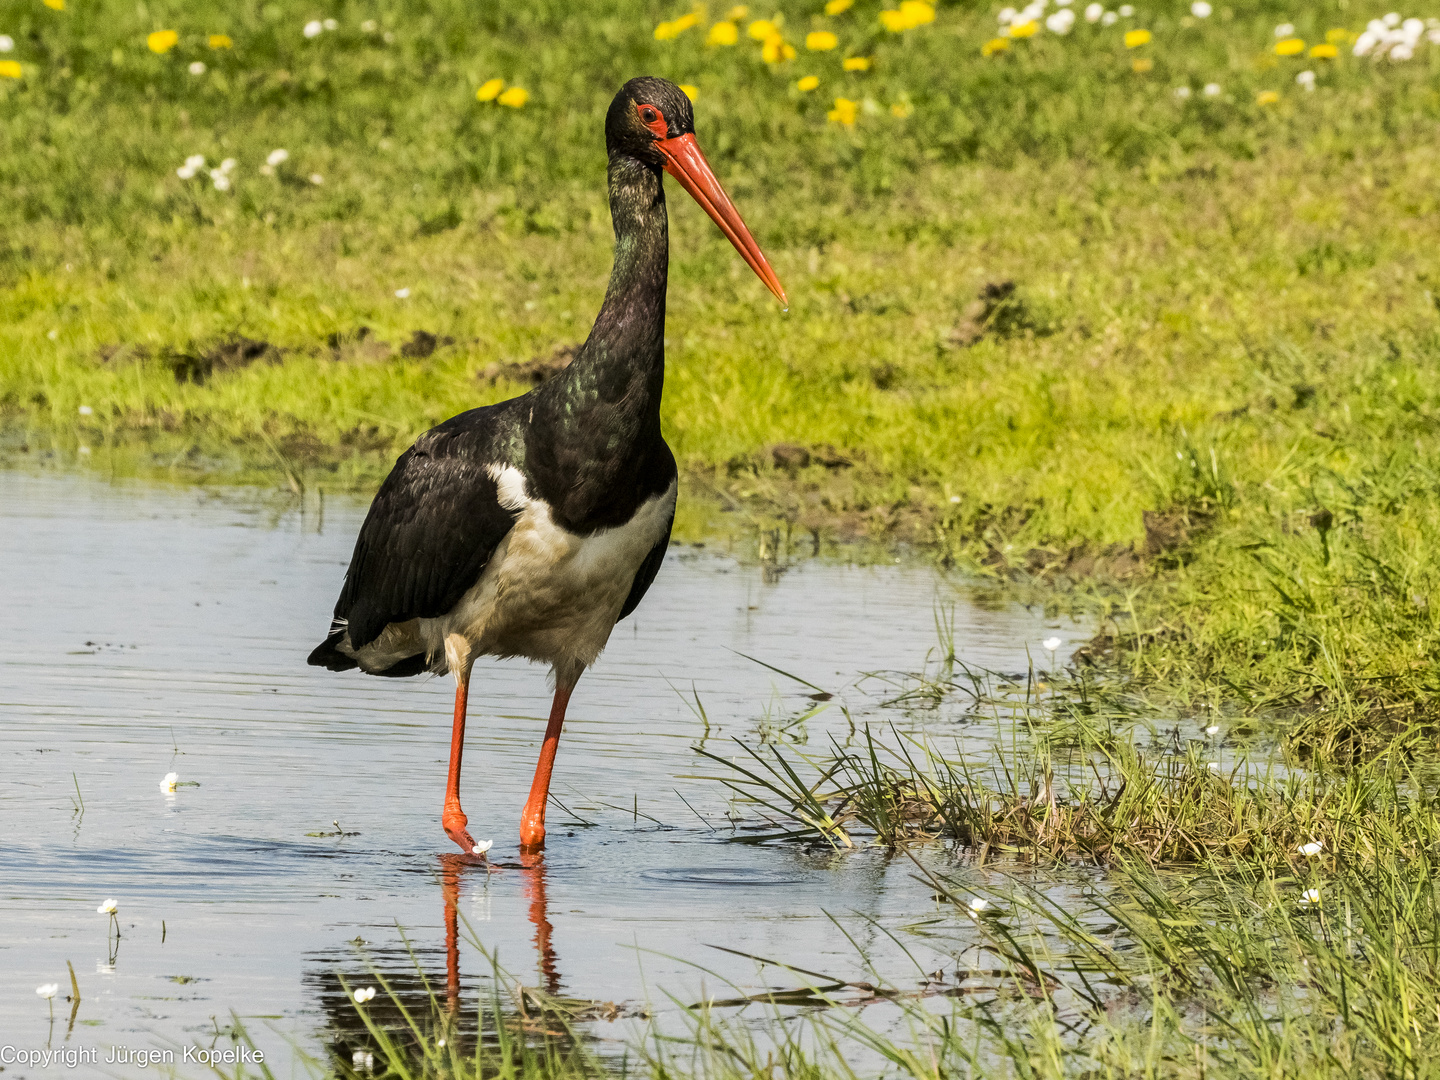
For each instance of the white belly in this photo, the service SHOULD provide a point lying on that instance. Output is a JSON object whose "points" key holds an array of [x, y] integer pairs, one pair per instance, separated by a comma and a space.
{"points": [[548, 594]]}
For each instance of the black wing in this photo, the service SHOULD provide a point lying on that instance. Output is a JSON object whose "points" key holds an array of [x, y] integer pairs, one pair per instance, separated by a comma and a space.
{"points": [[430, 533]]}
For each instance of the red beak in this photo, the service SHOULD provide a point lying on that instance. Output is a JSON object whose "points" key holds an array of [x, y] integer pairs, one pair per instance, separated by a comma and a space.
{"points": [[686, 164]]}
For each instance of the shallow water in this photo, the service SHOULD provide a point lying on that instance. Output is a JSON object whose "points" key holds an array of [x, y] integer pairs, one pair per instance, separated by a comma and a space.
{"points": [[151, 628]]}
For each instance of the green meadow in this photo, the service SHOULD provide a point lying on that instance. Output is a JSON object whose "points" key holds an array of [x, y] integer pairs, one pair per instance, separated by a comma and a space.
{"points": [[1144, 328]]}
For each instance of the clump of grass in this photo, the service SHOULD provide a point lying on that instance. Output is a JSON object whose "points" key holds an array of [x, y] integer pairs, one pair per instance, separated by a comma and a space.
{"points": [[1104, 800]]}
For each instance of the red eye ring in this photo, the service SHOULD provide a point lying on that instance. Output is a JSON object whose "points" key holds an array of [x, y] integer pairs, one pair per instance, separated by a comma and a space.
{"points": [[655, 120]]}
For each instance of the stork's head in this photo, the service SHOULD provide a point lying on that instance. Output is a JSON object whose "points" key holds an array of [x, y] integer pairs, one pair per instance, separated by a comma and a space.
{"points": [[652, 121]]}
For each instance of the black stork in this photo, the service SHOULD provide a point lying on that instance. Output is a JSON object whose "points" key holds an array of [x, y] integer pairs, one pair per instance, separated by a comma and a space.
{"points": [[530, 527]]}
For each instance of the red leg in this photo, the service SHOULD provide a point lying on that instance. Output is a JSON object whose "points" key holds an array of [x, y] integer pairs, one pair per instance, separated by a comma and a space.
{"points": [[454, 818], [532, 821]]}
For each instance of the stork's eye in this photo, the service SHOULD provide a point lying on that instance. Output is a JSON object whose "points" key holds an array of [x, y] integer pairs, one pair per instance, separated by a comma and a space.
{"points": [[653, 119]]}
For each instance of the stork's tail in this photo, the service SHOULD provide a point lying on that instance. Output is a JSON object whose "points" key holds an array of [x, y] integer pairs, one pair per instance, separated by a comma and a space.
{"points": [[328, 655]]}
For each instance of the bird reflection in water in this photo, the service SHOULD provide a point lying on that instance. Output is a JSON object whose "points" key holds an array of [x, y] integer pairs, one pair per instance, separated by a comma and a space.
{"points": [[457, 868]]}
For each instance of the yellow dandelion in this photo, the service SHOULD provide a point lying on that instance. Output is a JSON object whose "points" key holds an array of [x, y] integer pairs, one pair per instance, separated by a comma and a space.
{"points": [[893, 21], [221, 41], [1337, 35], [917, 12], [821, 41], [1289, 47], [689, 90], [844, 112], [515, 97], [762, 29], [1025, 29], [738, 12], [1267, 97], [1135, 38], [1142, 64], [684, 22], [723, 33], [993, 46], [901, 109], [1324, 52], [666, 32], [836, 7], [856, 63], [489, 90], [775, 49], [808, 83], [10, 69], [162, 41], [55, 5]]}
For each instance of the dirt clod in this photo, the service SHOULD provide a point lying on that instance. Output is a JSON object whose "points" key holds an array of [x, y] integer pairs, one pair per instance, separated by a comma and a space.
{"points": [[533, 371], [422, 343]]}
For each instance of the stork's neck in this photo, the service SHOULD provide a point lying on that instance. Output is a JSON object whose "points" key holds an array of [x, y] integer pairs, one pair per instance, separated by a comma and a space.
{"points": [[624, 357]]}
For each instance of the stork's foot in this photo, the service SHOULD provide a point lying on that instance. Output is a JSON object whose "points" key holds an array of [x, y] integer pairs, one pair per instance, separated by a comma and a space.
{"points": [[454, 821], [532, 833]]}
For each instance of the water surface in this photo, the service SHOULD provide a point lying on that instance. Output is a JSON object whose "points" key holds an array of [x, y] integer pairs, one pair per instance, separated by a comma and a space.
{"points": [[150, 629]]}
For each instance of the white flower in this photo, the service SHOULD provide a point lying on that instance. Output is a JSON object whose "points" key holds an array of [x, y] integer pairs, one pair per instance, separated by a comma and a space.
{"points": [[1093, 12], [1403, 51], [1364, 43], [277, 157], [1306, 79], [168, 784], [195, 161], [6, 43], [228, 165], [1212, 89], [364, 994], [1310, 896], [330, 24], [1109, 19], [1213, 729], [401, 294], [1051, 643], [1314, 847], [109, 907], [197, 67], [1126, 11], [185, 172], [1433, 35], [1393, 19], [1285, 29], [369, 26], [1413, 28], [85, 410], [1182, 92], [220, 180], [313, 28], [1031, 12], [978, 904], [484, 845], [954, 500], [1201, 9], [316, 179], [1061, 21], [48, 990], [1007, 15]]}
